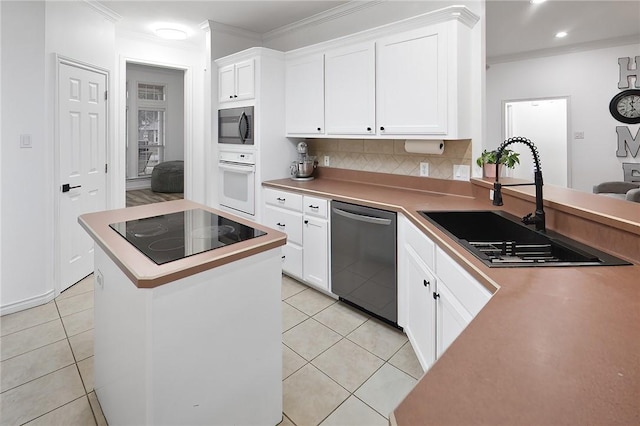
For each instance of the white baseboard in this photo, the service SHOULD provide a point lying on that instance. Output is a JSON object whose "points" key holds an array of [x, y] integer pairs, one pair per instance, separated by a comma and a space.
{"points": [[27, 303]]}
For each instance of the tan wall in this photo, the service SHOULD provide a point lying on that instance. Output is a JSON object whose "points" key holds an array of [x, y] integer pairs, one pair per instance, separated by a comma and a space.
{"points": [[389, 156]]}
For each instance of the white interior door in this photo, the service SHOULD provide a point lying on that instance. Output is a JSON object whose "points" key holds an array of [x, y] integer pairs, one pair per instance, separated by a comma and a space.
{"points": [[82, 120], [544, 122]]}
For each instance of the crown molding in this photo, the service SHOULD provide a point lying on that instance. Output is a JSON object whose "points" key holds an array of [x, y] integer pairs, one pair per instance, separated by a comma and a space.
{"points": [[563, 50], [447, 14], [103, 10], [230, 29], [322, 17]]}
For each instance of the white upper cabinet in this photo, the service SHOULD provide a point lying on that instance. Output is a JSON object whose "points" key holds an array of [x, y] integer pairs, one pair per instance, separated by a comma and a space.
{"points": [[304, 96], [407, 80], [412, 82], [236, 82], [350, 90]]}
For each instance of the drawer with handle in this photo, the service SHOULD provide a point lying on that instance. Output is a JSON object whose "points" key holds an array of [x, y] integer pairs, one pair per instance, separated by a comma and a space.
{"points": [[315, 206], [285, 221], [284, 199]]}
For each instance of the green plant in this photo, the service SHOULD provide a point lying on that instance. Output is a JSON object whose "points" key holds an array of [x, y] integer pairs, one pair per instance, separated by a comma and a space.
{"points": [[509, 158]]}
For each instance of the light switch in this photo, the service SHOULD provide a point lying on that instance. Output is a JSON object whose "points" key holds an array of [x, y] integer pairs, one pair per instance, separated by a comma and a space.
{"points": [[25, 141]]}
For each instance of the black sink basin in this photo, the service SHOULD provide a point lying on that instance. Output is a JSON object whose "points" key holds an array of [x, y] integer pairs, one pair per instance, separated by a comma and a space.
{"points": [[501, 240]]}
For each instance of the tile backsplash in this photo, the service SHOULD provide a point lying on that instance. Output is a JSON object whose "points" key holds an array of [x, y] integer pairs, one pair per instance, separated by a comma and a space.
{"points": [[389, 156]]}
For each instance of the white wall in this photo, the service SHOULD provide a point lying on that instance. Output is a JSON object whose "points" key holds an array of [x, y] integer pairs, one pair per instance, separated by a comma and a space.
{"points": [[590, 79], [190, 56], [32, 34], [26, 241], [174, 114]]}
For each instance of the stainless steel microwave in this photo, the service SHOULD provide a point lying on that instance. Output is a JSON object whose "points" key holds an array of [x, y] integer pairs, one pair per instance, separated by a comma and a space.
{"points": [[235, 126]]}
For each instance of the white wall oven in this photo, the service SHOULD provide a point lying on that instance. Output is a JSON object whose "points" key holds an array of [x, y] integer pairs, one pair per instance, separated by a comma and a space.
{"points": [[236, 180]]}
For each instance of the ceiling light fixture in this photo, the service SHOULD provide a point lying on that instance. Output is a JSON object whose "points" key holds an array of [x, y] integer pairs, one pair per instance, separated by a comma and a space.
{"points": [[171, 33], [536, 1], [561, 34]]}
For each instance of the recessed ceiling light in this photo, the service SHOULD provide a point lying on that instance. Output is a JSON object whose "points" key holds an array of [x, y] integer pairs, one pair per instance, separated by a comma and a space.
{"points": [[536, 1], [561, 34], [171, 33]]}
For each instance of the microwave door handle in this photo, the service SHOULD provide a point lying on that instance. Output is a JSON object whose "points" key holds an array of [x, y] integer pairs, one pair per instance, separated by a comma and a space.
{"points": [[243, 117]]}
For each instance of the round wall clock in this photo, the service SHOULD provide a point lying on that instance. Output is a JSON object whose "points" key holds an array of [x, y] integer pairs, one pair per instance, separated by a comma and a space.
{"points": [[625, 106]]}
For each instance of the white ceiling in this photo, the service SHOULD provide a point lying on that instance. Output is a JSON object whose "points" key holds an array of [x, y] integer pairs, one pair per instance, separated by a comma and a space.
{"points": [[513, 26]]}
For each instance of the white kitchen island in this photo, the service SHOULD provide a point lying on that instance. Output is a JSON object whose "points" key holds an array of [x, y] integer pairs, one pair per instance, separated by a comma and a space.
{"points": [[203, 348]]}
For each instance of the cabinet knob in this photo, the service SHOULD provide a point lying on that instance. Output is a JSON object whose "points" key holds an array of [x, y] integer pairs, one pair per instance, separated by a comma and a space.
{"points": [[436, 295], [306, 222], [368, 129], [382, 128], [426, 283], [280, 224], [283, 257], [230, 96], [235, 96], [282, 200], [319, 129]]}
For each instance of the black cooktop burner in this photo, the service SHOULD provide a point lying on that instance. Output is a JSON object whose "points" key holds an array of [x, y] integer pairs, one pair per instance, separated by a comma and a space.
{"points": [[174, 236]]}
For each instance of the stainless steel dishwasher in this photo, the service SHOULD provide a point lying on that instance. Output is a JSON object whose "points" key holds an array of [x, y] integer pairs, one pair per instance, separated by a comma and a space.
{"points": [[363, 259]]}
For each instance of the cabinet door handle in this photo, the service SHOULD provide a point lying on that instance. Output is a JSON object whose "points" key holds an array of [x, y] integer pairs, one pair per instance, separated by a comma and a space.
{"points": [[283, 257], [282, 200], [319, 129], [436, 295], [235, 96], [230, 96], [368, 129], [280, 224], [426, 283], [382, 128], [311, 206], [306, 222]]}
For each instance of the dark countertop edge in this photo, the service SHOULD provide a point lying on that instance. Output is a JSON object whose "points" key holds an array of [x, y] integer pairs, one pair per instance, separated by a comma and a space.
{"points": [[176, 270]]}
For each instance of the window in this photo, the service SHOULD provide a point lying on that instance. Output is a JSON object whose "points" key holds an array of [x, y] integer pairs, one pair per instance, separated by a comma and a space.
{"points": [[150, 92], [150, 140], [151, 126]]}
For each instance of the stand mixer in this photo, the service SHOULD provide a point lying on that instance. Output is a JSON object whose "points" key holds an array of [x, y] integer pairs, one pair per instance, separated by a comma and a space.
{"points": [[303, 167]]}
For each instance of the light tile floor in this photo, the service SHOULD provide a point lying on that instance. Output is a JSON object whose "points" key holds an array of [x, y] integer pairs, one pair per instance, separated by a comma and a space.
{"points": [[340, 366]]}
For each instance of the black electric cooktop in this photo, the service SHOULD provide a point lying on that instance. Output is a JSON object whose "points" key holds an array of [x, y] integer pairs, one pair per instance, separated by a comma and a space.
{"points": [[174, 236]]}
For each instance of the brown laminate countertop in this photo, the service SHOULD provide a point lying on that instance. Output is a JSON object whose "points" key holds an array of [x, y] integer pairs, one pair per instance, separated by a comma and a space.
{"points": [[143, 272], [554, 345]]}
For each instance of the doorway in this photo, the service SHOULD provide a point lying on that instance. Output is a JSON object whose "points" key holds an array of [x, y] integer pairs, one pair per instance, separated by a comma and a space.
{"points": [[545, 123], [154, 132], [81, 142]]}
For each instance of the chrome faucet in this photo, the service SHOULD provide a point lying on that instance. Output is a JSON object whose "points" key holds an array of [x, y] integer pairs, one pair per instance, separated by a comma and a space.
{"points": [[536, 218]]}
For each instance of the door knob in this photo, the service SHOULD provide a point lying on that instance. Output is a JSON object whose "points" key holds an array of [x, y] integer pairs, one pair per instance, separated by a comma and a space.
{"points": [[66, 187]]}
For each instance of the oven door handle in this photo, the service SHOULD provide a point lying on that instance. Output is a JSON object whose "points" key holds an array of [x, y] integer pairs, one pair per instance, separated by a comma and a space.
{"points": [[248, 169], [362, 218]]}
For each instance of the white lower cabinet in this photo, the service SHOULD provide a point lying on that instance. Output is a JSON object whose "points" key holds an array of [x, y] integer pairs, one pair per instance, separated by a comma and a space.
{"points": [[420, 324], [305, 221], [437, 298], [315, 252]]}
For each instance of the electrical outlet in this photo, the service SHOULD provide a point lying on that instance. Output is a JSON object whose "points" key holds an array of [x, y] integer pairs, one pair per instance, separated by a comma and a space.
{"points": [[424, 169], [578, 135], [327, 161], [461, 172]]}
